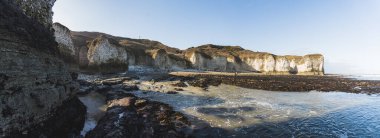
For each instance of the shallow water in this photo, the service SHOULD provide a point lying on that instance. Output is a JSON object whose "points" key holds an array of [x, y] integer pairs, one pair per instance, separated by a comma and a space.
{"points": [[239, 112], [364, 77], [96, 108]]}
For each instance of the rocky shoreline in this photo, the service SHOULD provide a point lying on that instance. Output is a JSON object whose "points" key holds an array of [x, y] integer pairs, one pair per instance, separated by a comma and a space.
{"points": [[129, 116], [287, 83], [151, 118]]}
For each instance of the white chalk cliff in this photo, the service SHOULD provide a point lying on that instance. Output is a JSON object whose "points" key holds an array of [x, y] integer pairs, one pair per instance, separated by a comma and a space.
{"points": [[103, 51], [166, 61], [63, 37], [229, 58], [95, 49]]}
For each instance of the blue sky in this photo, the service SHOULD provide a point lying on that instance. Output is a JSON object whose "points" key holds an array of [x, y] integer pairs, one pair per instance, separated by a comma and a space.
{"points": [[346, 32]]}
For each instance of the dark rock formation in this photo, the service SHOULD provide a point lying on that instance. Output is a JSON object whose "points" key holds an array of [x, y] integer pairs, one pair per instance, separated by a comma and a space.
{"points": [[129, 116], [37, 94], [289, 83]]}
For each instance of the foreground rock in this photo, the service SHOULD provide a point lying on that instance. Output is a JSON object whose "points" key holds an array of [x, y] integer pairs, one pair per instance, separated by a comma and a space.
{"points": [[37, 94], [129, 116]]}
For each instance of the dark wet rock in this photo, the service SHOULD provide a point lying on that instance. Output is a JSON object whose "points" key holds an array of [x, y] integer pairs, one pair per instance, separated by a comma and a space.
{"points": [[102, 89], [172, 92], [84, 83], [178, 89], [198, 82], [205, 82], [113, 96], [288, 83], [125, 101], [65, 121], [129, 87], [115, 81], [74, 75], [261, 116], [118, 122], [141, 103], [84, 90], [129, 116], [180, 84], [85, 87]]}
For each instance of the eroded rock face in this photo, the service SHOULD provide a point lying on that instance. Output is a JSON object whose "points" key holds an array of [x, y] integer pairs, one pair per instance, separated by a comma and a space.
{"points": [[165, 61], [39, 10], [105, 52], [201, 61], [65, 43], [139, 52], [229, 58], [34, 83], [308, 64]]}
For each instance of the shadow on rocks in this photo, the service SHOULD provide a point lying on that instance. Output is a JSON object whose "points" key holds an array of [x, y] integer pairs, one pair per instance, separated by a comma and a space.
{"points": [[129, 116]]}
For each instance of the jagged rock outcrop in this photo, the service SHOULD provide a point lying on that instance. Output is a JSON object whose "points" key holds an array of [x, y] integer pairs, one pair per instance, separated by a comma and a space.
{"points": [[130, 116], [65, 43], [233, 58], [106, 54], [36, 91]]}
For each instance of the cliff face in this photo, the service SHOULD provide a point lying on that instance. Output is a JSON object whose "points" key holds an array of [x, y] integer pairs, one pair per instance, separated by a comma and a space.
{"points": [[308, 64], [166, 61], [143, 52], [65, 43], [39, 10], [229, 58], [35, 87], [105, 52], [95, 50]]}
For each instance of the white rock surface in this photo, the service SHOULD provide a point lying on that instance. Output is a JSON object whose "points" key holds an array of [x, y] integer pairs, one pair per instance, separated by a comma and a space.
{"points": [[201, 62], [164, 61], [102, 51], [259, 62], [63, 38]]}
